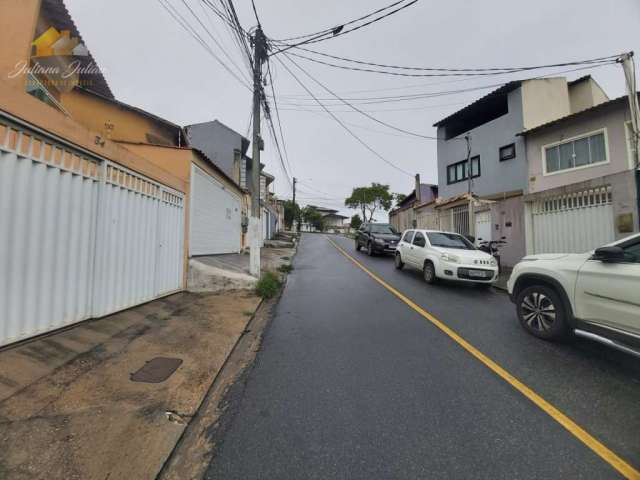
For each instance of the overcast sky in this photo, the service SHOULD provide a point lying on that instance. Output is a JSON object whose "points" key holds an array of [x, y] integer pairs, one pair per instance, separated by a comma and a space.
{"points": [[151, 62]]}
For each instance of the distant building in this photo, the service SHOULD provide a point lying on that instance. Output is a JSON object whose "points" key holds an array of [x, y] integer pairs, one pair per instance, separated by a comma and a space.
{"points": [[403, 216], [333, 221]]}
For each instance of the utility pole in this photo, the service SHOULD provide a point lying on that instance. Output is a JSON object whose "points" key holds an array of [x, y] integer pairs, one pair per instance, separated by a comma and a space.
{"points": [[418, 195], [629, 69], [471, 225], [468, 140], [255, 227], [293, 223]]}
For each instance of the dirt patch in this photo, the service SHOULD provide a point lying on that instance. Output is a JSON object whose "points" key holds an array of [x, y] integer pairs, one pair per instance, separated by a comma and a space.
{"points": [[68, 408]]}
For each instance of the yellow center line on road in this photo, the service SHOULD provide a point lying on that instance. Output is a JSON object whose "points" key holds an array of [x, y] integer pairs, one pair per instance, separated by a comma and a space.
{"points": [[580, 433]]}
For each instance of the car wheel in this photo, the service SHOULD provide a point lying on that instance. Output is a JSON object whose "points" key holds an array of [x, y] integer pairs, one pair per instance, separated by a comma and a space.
{"points": [[358, 247], [429, 273], [541, 312], [399, 262], [370, 249]]}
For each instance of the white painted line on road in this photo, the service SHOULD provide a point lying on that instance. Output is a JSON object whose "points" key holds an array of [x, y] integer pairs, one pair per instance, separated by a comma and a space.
{"points": [[581, 434]]}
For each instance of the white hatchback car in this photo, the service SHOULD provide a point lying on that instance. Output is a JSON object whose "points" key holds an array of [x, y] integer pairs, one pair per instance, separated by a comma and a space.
{"points": [[445, 255], [595, 295]]}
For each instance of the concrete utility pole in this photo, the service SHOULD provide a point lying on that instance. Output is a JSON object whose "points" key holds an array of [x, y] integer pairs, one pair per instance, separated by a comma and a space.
{"points": [[471, 226], [418, 195], [293, 223], [255, 227], [629, 68]]}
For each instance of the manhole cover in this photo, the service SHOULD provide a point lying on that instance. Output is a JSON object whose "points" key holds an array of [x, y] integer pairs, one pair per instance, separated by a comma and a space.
{"points": [[156, 370]]}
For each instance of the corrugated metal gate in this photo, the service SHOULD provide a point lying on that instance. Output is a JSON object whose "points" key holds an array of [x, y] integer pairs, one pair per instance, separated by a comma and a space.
{"points": [[573, 223], [79, 236], [215, 216]]}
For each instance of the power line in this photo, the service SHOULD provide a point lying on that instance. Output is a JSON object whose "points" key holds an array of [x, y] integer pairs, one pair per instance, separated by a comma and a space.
{"points": [[339, 30], [362, 142], [371, 117], [329, 30], [313, 188], [307, 108], [215, 40], [398, 74], [362, 127], [275, 104], [255, 12], [189, 29], [425, 95], [467, 70]]}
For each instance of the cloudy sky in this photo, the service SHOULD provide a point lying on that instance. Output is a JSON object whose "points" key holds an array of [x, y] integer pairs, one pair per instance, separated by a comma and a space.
{"points": [[151, 62]]}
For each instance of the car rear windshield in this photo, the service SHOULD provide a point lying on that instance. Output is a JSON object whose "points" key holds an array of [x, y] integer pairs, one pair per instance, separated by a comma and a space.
{"points": [[449, 240], [383, 229]]}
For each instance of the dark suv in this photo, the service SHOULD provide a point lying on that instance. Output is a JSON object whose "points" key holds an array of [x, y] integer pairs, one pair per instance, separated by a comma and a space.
{"points": [[377, 238]]}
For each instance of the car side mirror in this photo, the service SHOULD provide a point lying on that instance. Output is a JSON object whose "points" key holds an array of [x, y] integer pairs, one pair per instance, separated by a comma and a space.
{"points": [[609, 254], [471, 238]]}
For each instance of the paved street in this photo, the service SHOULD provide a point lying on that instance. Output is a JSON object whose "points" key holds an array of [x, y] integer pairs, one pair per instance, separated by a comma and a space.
{"points": [[353, 383]]}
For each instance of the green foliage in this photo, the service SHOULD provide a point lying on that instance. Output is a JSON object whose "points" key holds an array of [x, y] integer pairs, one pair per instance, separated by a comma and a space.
{"points": [[292, 213], [356, 222], [268, 285], [399, 198], [285, 268], [370, 199], [313, 218]]}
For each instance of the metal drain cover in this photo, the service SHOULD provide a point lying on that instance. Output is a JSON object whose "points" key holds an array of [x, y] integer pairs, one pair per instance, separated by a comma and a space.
{"points": [[156, 370]]}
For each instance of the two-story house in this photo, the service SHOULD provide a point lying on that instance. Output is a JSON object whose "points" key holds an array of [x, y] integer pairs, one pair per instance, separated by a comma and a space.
{"points": [[582, 176], [481, 181]]}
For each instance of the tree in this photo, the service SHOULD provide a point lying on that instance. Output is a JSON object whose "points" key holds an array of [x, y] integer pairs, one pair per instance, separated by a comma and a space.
{"points": [[312, 217], [370, 199], [399, 198], [356, 221], [291, 213]]}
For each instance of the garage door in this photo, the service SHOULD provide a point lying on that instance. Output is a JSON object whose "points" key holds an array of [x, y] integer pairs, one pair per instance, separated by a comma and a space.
{"points": [[215, 225], [80, 237], [572, 223]]}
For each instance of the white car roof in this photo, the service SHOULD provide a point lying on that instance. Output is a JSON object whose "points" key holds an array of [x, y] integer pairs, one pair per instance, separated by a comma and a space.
{"points": [[432, 231]]}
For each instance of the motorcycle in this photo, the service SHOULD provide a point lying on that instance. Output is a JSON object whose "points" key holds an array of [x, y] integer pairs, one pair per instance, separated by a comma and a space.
{"points": [[492, 247]]}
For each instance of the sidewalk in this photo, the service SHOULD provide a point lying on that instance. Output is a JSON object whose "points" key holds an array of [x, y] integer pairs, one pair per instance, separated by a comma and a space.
{"points": [[217, 273], [68, 408]]}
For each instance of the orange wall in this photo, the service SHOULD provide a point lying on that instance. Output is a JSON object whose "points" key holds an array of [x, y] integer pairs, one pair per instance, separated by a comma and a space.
{"points": [[18, 20], [95, 113], [20, 104]]}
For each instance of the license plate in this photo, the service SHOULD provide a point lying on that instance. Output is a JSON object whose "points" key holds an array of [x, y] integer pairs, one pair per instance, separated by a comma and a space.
{"points": [[475, 274]]}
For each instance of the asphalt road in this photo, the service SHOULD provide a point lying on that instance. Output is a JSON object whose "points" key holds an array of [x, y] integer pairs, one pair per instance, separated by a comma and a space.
{"points": [[352, 383]]}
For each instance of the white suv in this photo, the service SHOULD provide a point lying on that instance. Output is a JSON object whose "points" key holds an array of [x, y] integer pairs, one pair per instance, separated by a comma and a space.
{"points": [[594, 295], [445, 255]]}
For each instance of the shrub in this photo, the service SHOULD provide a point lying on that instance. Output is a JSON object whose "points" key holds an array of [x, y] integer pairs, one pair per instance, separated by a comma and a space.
{"points": [[268, 285], [285, 268]]}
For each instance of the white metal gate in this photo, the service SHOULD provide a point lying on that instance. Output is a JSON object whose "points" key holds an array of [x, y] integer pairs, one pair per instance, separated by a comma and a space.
{"points": [[215, 216], [79, 237], [572, 223], [483, 226], [460, 217]]}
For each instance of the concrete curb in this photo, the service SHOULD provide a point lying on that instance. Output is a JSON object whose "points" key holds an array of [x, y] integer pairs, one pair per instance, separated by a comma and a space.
{"points": [[240, 358]]}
